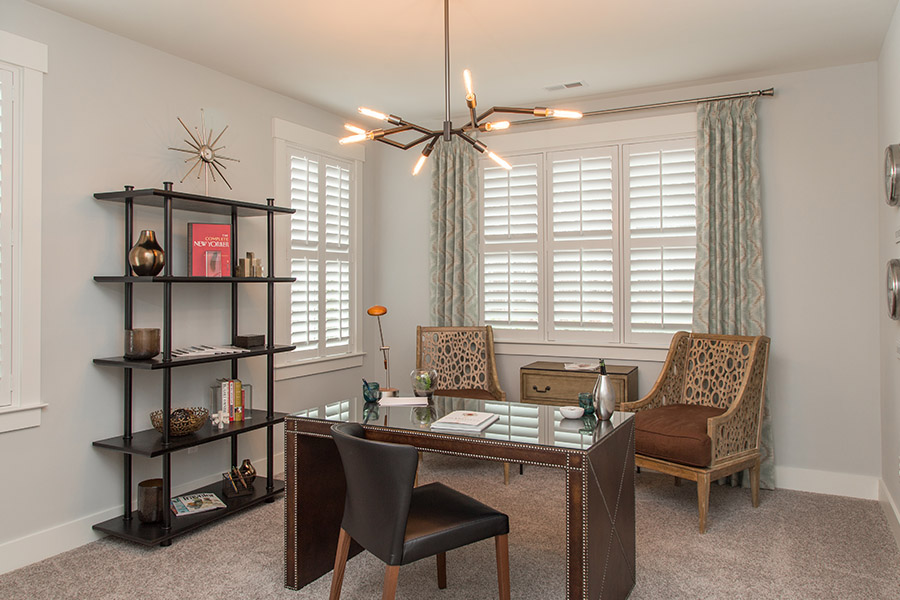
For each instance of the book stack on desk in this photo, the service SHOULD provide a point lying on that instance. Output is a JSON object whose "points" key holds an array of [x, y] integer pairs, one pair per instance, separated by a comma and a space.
{"points": [[467, 421]]}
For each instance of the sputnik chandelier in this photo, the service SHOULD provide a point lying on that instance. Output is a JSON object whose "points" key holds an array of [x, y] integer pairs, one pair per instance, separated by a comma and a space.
{"points": [[430, 137]]}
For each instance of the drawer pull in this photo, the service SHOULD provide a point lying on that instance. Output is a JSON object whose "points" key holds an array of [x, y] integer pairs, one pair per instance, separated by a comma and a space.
{"points": [[543, 391]]}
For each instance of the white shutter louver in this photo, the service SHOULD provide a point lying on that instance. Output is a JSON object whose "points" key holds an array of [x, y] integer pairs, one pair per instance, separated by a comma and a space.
{"points": [[337, 207], [511, 202], [661, 193], [511, 290], [305, 202], [662, 289], [337, 303], [583, 290], [582, 198], [305, 304]]}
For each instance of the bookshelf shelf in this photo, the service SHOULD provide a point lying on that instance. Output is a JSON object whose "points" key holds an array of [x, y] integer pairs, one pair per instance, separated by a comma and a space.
{"points": [[150, 443]]}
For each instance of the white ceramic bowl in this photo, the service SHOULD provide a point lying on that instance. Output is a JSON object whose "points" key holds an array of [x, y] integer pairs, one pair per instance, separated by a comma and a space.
{"points": [[571, 412]]}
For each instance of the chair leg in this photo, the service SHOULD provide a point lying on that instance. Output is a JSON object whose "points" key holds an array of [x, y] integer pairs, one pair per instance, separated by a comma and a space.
{"points": [[703, 499], [340, 562], [391, 573], [502, 544], [521, 469], [442, 570], [418, 464], [754, 483], [506, 473], [677, 482]]}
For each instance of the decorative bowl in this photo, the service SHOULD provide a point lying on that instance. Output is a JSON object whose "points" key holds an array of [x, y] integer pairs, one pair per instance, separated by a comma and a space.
{"points": [[571, 412], [182, 421]]}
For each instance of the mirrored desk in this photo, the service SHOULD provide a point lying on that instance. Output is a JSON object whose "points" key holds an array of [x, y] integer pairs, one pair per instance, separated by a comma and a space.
{"points": [[597, 457]]}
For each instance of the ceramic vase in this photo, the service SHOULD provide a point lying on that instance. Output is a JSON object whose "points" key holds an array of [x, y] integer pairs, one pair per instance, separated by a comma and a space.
{"points": [[146, 257]]}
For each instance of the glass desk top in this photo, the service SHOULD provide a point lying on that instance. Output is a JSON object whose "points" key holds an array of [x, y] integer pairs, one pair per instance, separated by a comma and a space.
{"points": [[537, 424]]}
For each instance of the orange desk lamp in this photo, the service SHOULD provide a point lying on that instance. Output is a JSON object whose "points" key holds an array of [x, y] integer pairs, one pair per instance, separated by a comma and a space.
{"points": [[377, 311]]}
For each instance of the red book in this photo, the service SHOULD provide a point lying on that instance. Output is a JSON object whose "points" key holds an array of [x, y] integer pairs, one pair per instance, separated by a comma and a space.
{"points": [[209, 250]]}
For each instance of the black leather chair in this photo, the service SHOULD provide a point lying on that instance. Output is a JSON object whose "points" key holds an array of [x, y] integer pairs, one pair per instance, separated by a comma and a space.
{"points": [[400, 523]]}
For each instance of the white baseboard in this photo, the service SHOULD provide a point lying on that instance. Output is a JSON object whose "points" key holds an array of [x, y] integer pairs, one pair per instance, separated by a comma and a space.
{"points": [[61, 538], [827, 482], [890, 510]]}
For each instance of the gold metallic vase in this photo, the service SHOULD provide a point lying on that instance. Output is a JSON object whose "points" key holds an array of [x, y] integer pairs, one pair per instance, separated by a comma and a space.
{"points": [[147, 256]]}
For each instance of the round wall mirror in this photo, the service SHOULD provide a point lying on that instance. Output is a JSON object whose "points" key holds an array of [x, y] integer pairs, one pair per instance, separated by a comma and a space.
{"points": [[893, 288], [892, 174]]}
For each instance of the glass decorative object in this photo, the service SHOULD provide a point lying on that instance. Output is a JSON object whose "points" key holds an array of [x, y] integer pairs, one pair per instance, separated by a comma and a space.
{"points": [[423, 381], [371, 391], [604, 395]]}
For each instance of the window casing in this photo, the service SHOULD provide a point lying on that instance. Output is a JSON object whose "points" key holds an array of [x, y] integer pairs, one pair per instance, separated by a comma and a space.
{"points": [[590, 245], [22, 67], [320, 181]]}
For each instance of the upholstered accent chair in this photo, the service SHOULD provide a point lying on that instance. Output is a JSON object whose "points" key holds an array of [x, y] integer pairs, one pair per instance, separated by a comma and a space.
{"points": [[463, 358], [702, 419], [399, 523]]}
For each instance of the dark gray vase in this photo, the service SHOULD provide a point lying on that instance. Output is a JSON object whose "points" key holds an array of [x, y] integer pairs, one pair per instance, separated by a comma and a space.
{"points": [[147, 256]]}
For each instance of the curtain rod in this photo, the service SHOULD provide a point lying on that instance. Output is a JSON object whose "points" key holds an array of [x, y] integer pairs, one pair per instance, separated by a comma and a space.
{"points": [[609, 111]]}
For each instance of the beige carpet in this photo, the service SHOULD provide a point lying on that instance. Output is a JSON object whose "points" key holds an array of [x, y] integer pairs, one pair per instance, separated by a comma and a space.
{"points": [[795, 545]]}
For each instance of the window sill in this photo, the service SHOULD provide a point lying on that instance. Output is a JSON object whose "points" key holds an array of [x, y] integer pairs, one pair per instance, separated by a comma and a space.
{"points": [[20, 417], [316, 366], [580, 351]]}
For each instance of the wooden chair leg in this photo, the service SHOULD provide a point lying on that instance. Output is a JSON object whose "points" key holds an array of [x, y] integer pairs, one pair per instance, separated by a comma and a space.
{"points": [[418, 464], [506, 473], [442, 570], [521, 469], [703, 499], [391, 573], [502, 544], [754, 483], [340, 563]]}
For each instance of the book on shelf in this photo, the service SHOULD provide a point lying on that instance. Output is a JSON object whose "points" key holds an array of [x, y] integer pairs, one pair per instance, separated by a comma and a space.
{"points": [[209, 250], [465, 420], [230, 396], [195, 503]]}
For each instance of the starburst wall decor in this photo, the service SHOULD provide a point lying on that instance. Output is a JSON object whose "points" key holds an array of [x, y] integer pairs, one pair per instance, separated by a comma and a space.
{"points": [[204, 153]]}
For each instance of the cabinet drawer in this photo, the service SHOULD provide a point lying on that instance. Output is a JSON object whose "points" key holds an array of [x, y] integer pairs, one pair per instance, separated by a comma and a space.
{"points": [[563, 389]]}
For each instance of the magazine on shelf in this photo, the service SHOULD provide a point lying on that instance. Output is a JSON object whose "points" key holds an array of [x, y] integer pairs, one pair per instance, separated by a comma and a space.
{"points": [[203, 350], [195, 503], [464, 420], [209, 250]]}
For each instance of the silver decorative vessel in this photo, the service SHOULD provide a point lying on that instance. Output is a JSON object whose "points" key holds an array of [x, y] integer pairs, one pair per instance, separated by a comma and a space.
{"points": [[604, 395]]}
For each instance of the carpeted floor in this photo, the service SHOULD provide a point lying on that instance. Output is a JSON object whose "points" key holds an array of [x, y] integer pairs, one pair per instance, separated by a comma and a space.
{"points": [[795, 545]]}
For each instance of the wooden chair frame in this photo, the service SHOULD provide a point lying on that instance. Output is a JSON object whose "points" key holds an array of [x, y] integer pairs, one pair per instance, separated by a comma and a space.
{"points": [[735, 434]]}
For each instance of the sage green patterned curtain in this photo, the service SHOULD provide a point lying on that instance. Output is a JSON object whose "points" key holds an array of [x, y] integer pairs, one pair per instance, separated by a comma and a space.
{"points": [[729, 288], [454, 235]]}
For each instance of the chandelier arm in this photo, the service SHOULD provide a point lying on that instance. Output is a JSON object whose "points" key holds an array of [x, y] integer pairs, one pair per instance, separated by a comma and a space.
{"points": [[390, 142], [432, 136], [514, 110], [473, 117], [475, 143]]}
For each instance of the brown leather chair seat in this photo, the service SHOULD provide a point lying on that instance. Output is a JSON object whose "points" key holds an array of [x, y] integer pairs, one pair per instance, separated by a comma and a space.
{"points": [[675, 432]]}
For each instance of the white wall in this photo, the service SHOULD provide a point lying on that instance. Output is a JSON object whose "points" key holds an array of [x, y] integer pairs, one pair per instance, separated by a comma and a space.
{"points": [[888, 223], [110, 108], [819, 182]]}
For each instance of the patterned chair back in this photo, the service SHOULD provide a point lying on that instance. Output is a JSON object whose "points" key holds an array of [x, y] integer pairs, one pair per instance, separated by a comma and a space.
{"points": [[717, 367], [463, 357]]}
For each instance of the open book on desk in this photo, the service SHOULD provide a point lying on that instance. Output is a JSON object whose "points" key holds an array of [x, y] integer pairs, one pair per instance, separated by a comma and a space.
{"points": [[464, 420]]}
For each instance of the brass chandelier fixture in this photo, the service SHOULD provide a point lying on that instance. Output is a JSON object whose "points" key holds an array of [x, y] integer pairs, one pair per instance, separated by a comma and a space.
{"points": [[430, 137]]}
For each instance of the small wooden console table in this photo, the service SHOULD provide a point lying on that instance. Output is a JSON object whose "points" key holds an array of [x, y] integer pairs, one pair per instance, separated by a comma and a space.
{"points": [[545, 382]]}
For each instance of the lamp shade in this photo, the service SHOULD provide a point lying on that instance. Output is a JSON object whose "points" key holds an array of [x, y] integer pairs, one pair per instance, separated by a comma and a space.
{"points": [[377, 310]]}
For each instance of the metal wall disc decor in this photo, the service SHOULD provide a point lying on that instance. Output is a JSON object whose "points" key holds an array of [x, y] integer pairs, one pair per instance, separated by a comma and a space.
{"points": [[204, 152], [893, 288], [892, 174]]}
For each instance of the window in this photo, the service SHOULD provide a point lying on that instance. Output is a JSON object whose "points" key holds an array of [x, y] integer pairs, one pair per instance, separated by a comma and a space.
{"points": [[590, 245], [22, 65], [319, 180]]}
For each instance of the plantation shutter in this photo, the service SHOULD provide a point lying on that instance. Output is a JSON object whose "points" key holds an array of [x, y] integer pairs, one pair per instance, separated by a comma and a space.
{"points": [[511, 249], [583, 236], [320, 255], [661, 249]]}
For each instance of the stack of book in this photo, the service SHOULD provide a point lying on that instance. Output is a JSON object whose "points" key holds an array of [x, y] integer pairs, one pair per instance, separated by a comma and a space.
{"points": [[464, 421], [231, 397]]}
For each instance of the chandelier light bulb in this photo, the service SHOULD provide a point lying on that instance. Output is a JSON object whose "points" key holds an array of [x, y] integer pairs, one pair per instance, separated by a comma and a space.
{"points": [[354, 129], [467, 78], [496, 126], [563, 114], [351, 139], [372, 113], [500, 161], [419, 163]]}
